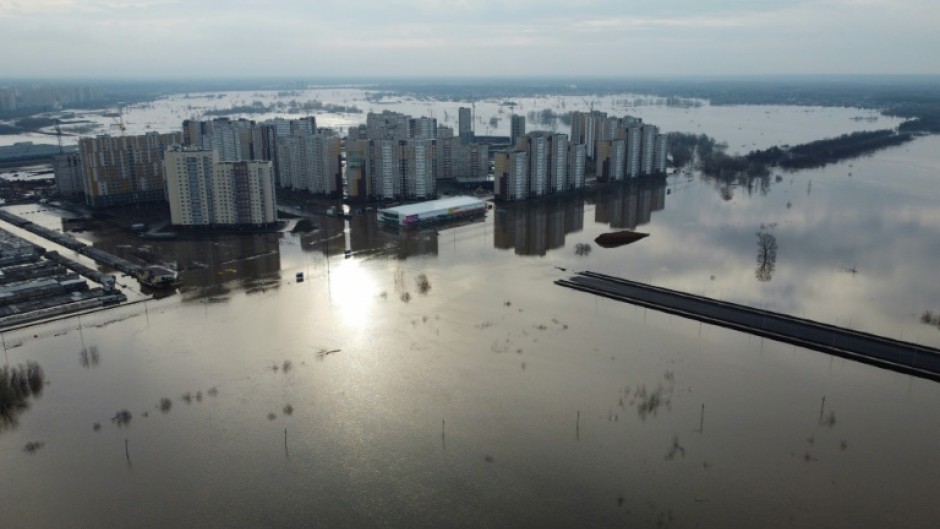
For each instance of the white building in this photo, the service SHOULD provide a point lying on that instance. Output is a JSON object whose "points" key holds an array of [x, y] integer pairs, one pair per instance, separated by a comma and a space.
{"points": [[203, 191]]}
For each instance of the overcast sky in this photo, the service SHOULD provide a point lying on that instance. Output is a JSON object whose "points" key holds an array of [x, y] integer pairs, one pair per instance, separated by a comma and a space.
{"points": [[247, 38]]}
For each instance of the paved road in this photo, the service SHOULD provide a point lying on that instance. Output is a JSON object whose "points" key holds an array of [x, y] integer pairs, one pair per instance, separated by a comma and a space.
{"points": [[884, 352]]}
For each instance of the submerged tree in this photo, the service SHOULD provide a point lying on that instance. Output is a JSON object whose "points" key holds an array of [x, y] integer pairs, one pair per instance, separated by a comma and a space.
{"points": [[423, 283], [766, 256], [582, 249], [17, 385]]}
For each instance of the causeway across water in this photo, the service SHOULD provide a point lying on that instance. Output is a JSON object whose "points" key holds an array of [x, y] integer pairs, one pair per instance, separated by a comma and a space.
{"points": [[891, 354]]}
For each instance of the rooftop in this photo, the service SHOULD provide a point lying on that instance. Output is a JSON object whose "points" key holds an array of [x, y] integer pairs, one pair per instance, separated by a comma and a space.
{"points": [[433, 205]]}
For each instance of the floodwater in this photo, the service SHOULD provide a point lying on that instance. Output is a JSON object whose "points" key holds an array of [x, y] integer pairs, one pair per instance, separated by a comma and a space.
{"points": [[742, 127], [486, 395]]}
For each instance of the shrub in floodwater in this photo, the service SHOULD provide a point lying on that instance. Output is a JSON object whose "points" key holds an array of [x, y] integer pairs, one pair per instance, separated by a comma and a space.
{"points": [[287, 366], [406, 297], [930, 318], [288, 409], [582, 249], [165, 404], [33, 446], [89, 356], [17, 385], [424, 285], [122, 418]]}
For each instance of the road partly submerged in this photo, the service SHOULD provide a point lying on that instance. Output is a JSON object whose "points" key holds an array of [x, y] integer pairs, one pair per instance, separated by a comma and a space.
{"points": [[884, 352]]}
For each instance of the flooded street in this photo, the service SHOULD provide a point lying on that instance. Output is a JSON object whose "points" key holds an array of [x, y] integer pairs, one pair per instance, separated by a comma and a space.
{"points": [[482, 394]]}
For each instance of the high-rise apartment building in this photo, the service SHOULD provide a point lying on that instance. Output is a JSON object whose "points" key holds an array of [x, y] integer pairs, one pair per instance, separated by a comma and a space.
{"points": [[633, 145], [577, 158], [124, 169], [516, 128], [611, 160], [309, 162], [358, 177], [388, 125], [648, 135], [423, 128], [584, 129], [465, 124], [511, 175], [232, 139], [68, 174], [384, 168], [204, 191], [419, 158], [472, 162], [557, 162], [660, 154], [536, 146]]}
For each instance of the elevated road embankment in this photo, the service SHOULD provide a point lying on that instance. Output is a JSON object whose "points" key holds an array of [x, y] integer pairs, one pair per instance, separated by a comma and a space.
{"points": [[66, 241], [884, 352]]}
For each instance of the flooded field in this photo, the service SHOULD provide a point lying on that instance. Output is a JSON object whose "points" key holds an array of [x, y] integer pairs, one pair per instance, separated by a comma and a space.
{"points": [[439, 378], [743, 127]]}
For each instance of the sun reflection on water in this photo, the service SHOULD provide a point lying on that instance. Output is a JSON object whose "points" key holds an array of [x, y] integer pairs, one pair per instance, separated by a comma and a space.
{"points": [[353, 292]]}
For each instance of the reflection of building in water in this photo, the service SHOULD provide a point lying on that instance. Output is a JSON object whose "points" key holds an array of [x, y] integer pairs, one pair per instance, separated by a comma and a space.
{"points": [[207, 267], [629, 204], [364, 235], [410, 242], [535, 228]]}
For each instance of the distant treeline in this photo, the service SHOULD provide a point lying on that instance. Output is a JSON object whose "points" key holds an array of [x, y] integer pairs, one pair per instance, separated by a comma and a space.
{"points": [[913, 97], [713, 160], [293, 107], [822, 152]]}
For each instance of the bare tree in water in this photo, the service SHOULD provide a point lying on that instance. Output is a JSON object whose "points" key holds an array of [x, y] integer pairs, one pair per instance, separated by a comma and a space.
{"points": [[766, 256]]}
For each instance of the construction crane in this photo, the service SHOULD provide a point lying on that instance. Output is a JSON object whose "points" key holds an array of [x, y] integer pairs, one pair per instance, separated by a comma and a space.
{"points": [[58, 133], [119, 123], [118, 118]]}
